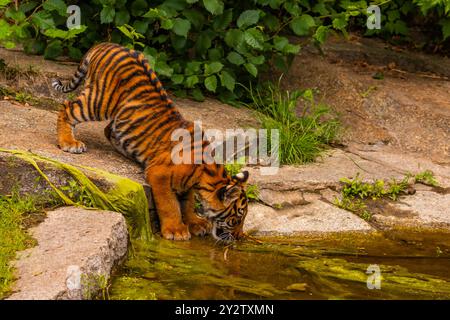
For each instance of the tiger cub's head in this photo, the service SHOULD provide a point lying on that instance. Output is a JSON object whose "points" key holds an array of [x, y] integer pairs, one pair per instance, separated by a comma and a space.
{"points": [[223, 200]]}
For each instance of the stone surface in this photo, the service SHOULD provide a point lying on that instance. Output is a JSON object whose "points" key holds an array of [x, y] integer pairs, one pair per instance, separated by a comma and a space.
{"points": [[76, 251], [423, 209], [315, 217]]}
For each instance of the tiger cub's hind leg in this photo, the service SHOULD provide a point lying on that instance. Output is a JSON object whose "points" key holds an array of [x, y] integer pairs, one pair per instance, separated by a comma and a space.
{"points": [[71, 114]]}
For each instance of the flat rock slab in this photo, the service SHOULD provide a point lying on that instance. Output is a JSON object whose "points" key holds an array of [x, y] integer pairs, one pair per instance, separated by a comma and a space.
{"points": [[423, 209], [76, 251], [315, 217]]}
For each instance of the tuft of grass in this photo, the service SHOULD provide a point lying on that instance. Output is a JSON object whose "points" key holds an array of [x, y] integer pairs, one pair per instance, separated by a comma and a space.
{"points": [[303, 137], [13, 237]]}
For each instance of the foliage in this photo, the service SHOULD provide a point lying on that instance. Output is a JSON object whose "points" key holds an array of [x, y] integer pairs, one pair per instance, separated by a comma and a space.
{"points": [[426, 177], [302, 138], [355, 191], [12, 234], [202, 45]]}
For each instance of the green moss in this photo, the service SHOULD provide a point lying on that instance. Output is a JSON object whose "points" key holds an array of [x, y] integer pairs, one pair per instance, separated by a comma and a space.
{"points": [[13, 237]]}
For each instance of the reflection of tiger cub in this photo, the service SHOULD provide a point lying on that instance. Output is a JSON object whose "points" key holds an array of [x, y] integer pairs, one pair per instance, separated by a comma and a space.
{"points": [[121, 86]]}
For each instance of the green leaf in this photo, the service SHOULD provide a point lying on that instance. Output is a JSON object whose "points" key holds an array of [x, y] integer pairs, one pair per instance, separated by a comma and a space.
{"points": [[54, 49], [445, 28], [302, 24], [213, 67], [271, 22], [107, 14], [235, 58], [211, 83], [43, 20], [122, 17], [34, 46], [195, 17], [162, 68], [14, 14], [177, 78], [192, 67], [141, 26], [234, 38], [248, 18], [64, 34], [215, 54], [181, 27], [321, 34], [251, 69], [227, 80], [75, 53], [203, 43], [340, 23], [191, 1], [280, 42], [198, 95], [191, 81], [167, 24], [223, 21], [138, 8], [257, 60], [214, 6], [254, 38], [4, 2], [56, 5]]}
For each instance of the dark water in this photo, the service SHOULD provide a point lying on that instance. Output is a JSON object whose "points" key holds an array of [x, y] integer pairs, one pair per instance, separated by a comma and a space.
{"points": [[412, 266]]}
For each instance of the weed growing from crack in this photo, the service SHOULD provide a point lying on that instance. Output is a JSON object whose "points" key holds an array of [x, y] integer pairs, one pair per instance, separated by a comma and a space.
{"points": [[355, 191]]}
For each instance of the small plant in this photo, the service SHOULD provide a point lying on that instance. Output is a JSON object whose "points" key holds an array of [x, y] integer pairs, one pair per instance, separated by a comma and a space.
{"points": [[355, 192], [426, 177], [302, 138], [356, 206], [22, 97], [252, 192], [78, 194]]}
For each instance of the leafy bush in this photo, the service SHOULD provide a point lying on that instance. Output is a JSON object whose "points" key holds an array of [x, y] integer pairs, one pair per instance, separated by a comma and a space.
{"points": [[202, 45]]}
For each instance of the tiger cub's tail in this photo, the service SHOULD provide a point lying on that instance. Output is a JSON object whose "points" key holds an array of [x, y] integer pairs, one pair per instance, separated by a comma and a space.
{"points": [[75, 81]]}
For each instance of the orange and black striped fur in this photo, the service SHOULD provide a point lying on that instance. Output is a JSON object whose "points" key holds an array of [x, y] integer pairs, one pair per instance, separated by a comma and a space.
{"points": [[120, 86]]}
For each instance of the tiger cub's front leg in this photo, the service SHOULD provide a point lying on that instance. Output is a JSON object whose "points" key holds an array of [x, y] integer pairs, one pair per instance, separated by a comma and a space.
{"points": [[68, 117], [197, 225], [167, 205]]}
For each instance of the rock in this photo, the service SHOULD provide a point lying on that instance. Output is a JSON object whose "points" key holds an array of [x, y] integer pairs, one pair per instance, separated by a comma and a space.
{"points": [[76, 252], [281, 199], [314, 217], [423, 209]]}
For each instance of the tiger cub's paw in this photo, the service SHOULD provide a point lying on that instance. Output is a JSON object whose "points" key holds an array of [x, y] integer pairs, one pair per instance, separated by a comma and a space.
{"points": [[73, 146], [176, 232], [201, 227]]}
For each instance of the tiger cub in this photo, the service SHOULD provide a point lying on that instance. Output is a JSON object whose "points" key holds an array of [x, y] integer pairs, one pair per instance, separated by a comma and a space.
{"points": [[121, 86]]}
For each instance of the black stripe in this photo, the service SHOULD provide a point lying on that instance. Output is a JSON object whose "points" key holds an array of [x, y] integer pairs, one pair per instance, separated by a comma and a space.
{"points": [[105, 71]]}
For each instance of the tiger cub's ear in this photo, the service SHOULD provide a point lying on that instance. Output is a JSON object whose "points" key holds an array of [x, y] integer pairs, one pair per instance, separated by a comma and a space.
{"points": [[229, 194], [241, 177]]}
